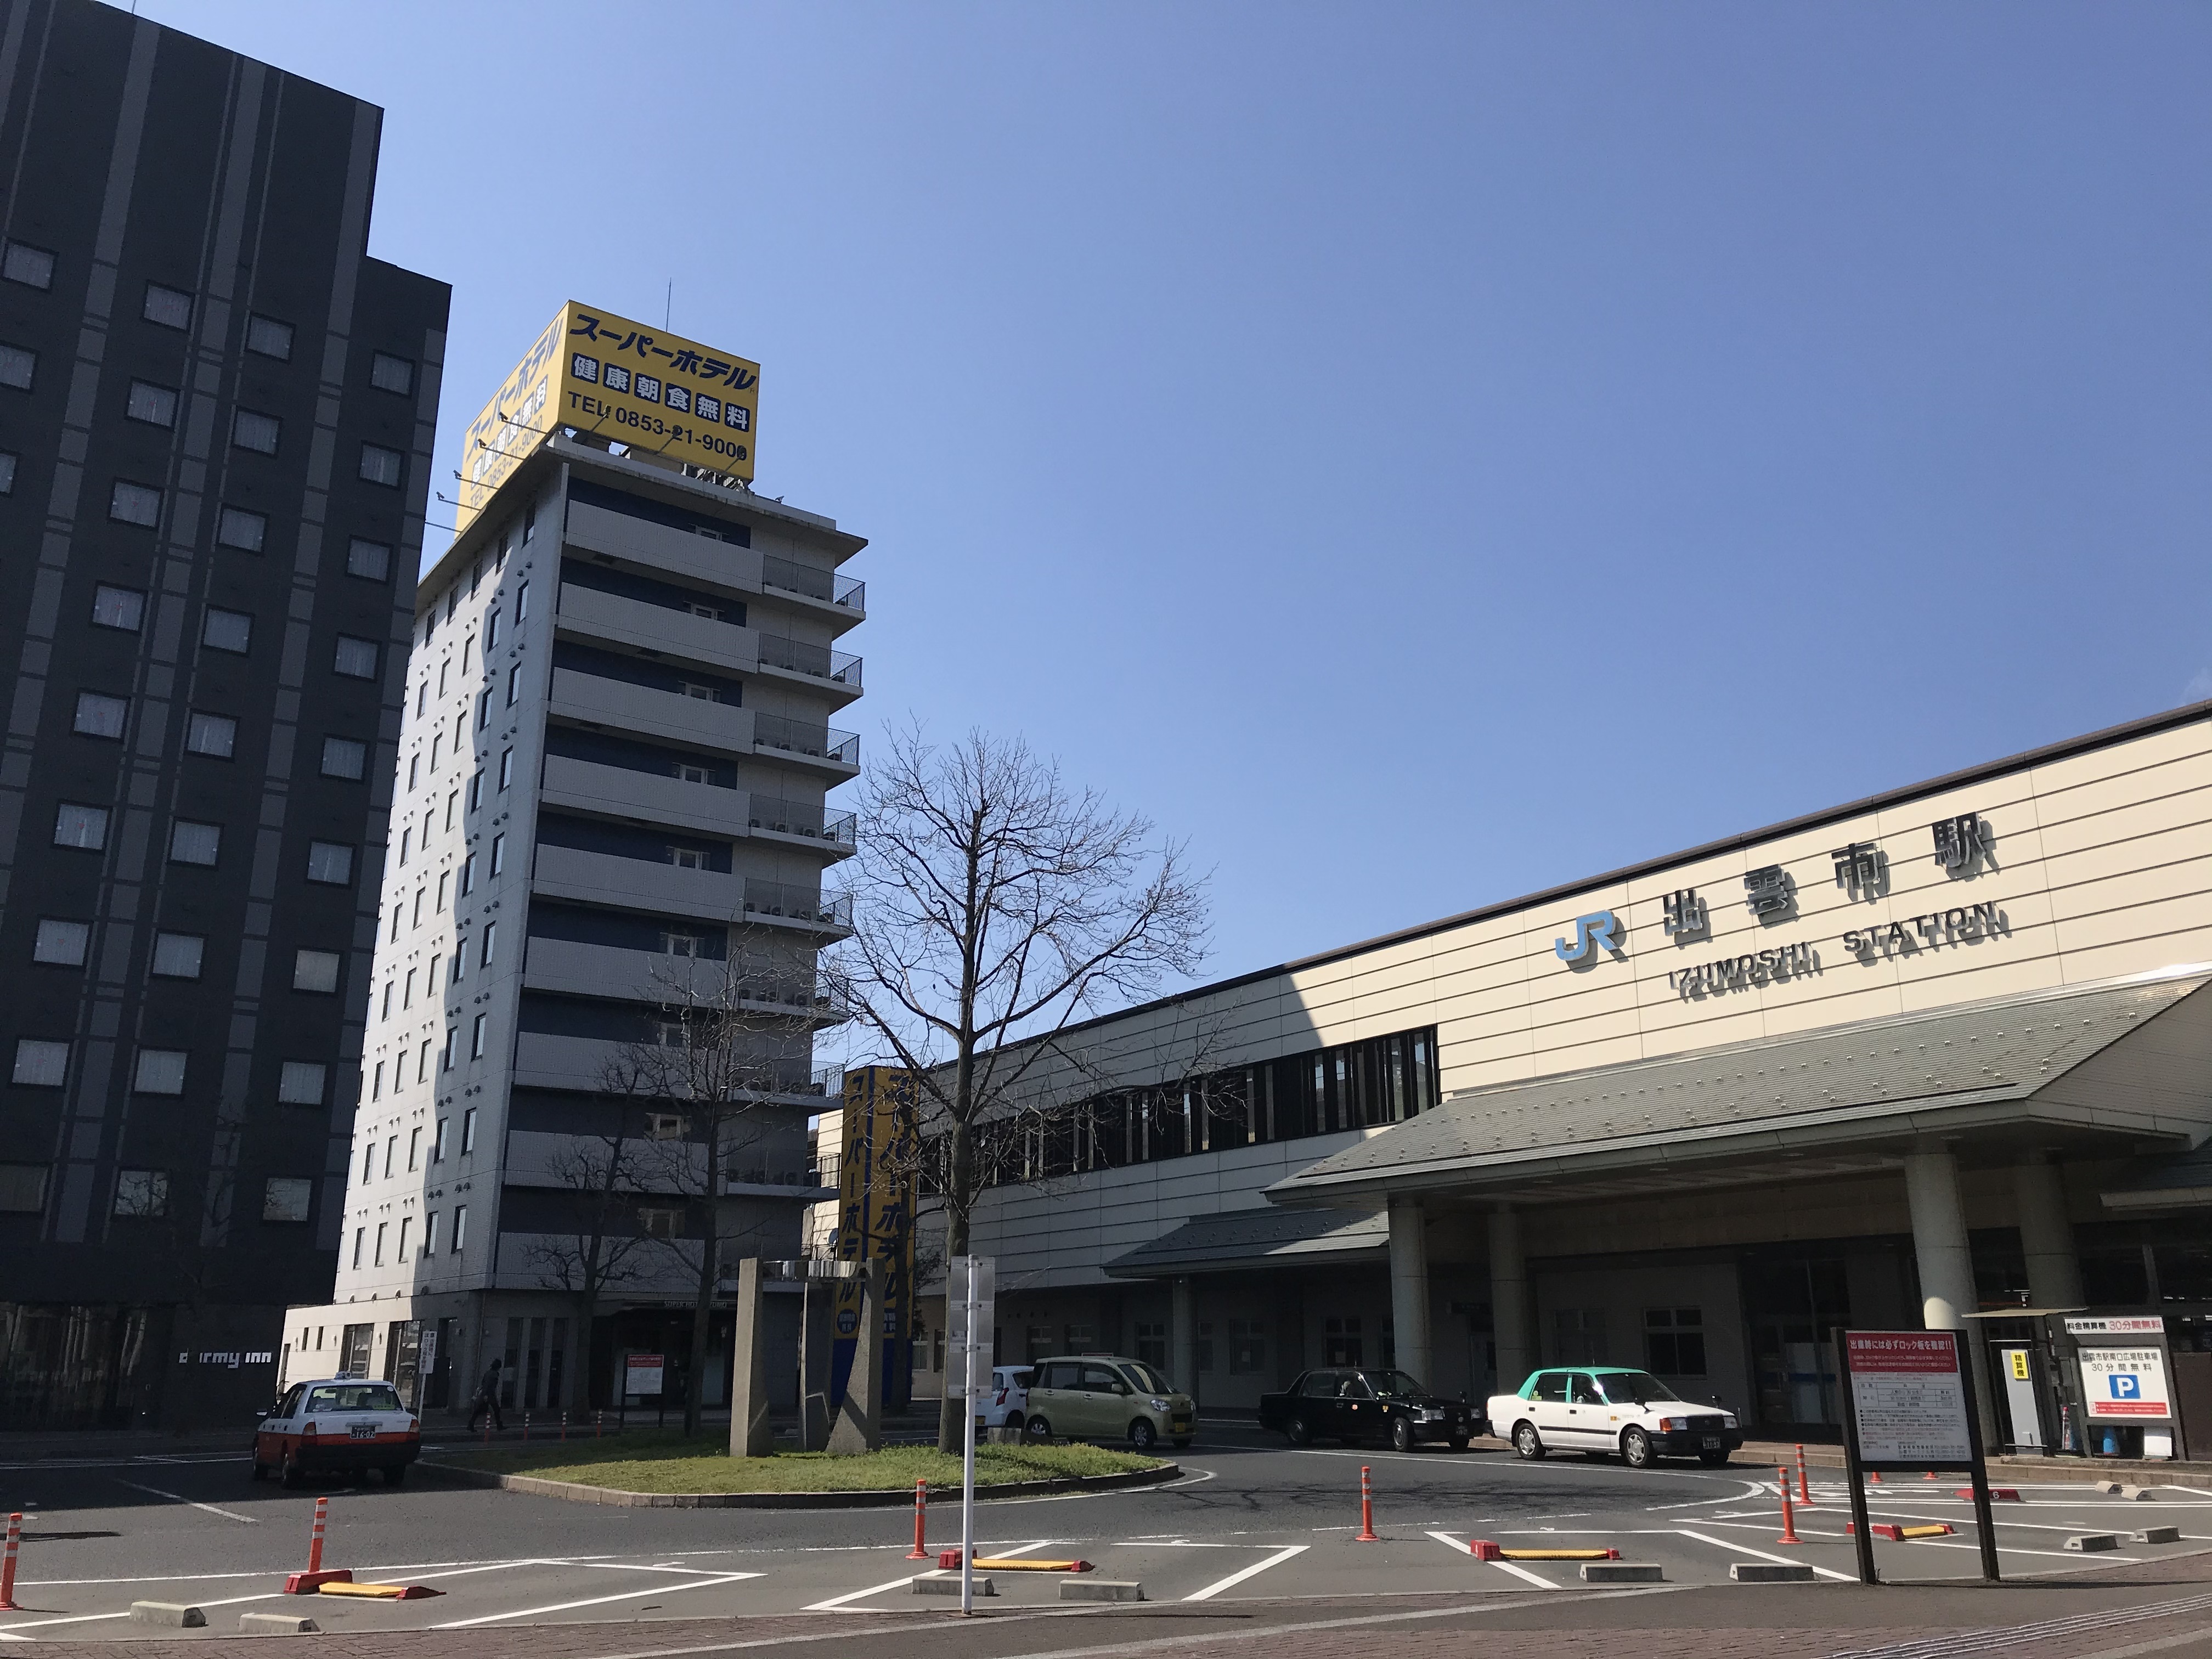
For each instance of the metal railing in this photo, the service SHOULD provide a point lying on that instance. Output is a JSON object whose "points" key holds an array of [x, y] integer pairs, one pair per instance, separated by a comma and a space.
{"points": [[813, 582], [785, 994], [755, 1175], [776, 898], [818, 661], [803, 737], [791, 818]]}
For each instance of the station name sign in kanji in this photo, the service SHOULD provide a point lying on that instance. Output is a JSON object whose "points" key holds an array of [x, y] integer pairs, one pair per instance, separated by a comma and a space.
{"points": [[643, 386]]}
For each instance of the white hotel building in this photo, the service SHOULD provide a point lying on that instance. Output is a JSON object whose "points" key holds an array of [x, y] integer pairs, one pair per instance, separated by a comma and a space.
{"points": [[616, 755], [1944, 1051]]}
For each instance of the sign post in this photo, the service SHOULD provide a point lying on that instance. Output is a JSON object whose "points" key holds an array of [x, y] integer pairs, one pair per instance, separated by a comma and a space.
{"points": [[968, 1300], [1909, 1406]]}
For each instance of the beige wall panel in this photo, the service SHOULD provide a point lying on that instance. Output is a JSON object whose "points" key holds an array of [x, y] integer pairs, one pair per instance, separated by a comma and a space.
{"points": [[2125, 889], [2182, 745], [2185, 809], [2190, 945], [2144, 856], [2148, 929], [1957, 977]]}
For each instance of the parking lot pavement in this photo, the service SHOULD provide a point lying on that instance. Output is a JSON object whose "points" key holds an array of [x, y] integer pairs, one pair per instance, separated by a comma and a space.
{"points": [[1252, 1529]]}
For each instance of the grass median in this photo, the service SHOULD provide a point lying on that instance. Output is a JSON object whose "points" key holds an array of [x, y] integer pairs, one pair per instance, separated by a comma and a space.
{"points": [[662, 1460]]}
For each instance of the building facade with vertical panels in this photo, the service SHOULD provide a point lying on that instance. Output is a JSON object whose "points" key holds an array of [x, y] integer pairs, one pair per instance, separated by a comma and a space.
{"points": [[1935, 1055], [215, 416], [614, 782]]}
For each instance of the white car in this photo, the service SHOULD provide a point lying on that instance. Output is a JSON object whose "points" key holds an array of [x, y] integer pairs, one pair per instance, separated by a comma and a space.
{"points": [[337, 1424], [1610, 1409], [1009, 1407]]}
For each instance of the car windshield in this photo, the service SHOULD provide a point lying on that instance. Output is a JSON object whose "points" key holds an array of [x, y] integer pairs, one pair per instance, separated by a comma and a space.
{"points": [[354, 1397], [1628, 1388], [1394, 1385], [1148, 1379]]}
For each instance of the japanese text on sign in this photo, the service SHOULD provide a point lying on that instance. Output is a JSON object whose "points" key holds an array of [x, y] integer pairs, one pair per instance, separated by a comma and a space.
{"points": [[2125, 1384], [1909, 1400]]}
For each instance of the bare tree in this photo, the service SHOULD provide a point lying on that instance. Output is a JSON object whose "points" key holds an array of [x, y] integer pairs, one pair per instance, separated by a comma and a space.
{"points": [[993, 905], [730, 1033], [603, 1248]]}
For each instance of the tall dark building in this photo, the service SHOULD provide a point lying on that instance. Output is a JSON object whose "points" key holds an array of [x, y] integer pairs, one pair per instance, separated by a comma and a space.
{"points": [[216, 423]]}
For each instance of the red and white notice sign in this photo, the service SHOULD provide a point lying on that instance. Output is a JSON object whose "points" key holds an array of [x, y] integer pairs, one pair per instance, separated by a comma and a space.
{"points": [[1909, 1399]]}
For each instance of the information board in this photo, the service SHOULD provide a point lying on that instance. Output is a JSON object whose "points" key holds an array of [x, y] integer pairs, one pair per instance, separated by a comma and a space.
{"points": [[642, 1375], [2125, 1384], [1909, 1400]]}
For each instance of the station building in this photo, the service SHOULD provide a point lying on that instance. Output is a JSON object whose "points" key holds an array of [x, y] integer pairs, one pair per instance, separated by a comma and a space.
{"points": [[1940, 1052]]}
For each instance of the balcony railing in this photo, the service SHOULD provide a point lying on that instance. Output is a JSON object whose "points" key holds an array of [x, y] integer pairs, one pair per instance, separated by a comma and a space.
{"points": [[791, 818], [754, 1175], [788, 995], [818, 661], [801, 737], [776, 898], [813, 582]]}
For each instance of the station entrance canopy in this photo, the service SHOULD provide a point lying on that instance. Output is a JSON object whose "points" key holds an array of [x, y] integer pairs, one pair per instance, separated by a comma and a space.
{"points": [[2119, 1068]]}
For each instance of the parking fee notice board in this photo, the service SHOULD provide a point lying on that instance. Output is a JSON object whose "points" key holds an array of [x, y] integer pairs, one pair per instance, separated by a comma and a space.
{"points": [[1909, 1399]]}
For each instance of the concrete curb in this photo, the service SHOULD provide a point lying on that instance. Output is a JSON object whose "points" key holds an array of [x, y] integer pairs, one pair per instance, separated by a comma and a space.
{"points": [[572, 1491]]}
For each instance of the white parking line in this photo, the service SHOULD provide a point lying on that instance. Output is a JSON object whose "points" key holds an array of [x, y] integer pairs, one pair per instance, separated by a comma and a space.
{"points": [[1734, 1548], [1252, 1571], [598, 1601], [1537, 1579], [837, 1601], [179, 1498]]}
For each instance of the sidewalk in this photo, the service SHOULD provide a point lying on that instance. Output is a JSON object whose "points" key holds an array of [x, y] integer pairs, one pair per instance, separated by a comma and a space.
{"points": [[2161, 1471]]}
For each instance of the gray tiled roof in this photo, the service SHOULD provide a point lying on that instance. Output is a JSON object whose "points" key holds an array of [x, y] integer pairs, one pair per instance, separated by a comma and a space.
{"points": [[2004, 1050], [1250, 1237]]}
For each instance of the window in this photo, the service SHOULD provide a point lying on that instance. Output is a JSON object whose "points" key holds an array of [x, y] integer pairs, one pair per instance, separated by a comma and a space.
{"points": [[236, 527], [315, 970], [381, 1229], [211, 734], [505, 767], [142, 1193], [446, 1054], [99, 716], [6, 472], [657, 1223], [118, 607], [1341, 1340], [251, 429], [430, 1234], [468, 883], [134, 503], [389, 373], [491, 631], [369, 1164], [34, 267], [359, 1234], [160, 1071], [330, 863], [368, 559], [61, 943], [1152, 1343], [169, 306], [468, 1140], [345, 758], [18, 368], [379, 466], [529, 523], [460, 1231], [156, 405], [414, 1148], [687, 858], [522, 601], [285, 1198], [490, 938], [405, 1223], [40, 1064], [355, 658], [438, 1142], [82, 826], [513, 684], [1247, 1347], [269, 338], [227, 630], [1674, 1341], [178, 956], [195, 843], [414, 771], [476, 1038], [452, 805], [498, 853], [22, 1189], [391, 1147], [376, 1087]]}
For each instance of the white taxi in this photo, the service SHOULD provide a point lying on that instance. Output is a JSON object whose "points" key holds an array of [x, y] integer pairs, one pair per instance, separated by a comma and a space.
{"points": [[343, 1424], [1611, 1409]]}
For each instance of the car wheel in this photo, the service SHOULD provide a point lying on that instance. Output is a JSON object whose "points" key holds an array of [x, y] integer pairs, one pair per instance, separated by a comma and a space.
{"points": [[1039, 1429], [1712, 1460], [1459, 1442], [1402, 1435], [1296, 1432], [260, 1470], [1635, 1449], [1526, 1443], [394, 1473], [293, 1475], [1142, 1434]]}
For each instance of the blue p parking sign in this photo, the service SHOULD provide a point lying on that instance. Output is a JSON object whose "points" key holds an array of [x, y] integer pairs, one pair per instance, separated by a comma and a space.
{"points": [[2126, 1385]]}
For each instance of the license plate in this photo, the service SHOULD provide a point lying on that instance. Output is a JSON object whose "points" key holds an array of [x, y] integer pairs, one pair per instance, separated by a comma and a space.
{"points": [[1712, 1443], [362, 1431]]}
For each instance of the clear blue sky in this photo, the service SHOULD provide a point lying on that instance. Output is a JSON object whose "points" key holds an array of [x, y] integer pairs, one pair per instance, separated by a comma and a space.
{"points": [[1416, 453]]}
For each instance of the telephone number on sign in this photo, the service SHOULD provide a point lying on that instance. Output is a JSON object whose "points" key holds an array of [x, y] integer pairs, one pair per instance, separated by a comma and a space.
{"points": [[714, 442]]}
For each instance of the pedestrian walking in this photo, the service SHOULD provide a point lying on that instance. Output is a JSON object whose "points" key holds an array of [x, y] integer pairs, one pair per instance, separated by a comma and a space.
{"points": [[487, 1398]]}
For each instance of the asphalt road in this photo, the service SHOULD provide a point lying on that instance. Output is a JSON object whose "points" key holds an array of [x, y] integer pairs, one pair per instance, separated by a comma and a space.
{"points": [[1251, 1521]]}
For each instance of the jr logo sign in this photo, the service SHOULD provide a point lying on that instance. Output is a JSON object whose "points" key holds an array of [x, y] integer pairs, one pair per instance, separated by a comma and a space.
{"points": [[1590, 931]]}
